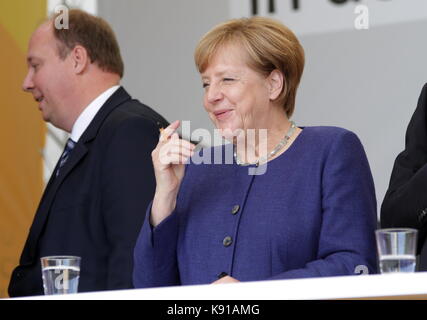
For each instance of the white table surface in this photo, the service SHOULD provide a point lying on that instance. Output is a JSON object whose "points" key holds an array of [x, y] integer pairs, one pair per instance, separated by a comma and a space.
{"points": [[358, 286]]}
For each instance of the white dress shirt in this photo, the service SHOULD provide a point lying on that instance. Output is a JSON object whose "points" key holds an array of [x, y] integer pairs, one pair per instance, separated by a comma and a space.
{"points": [[86, 117]]}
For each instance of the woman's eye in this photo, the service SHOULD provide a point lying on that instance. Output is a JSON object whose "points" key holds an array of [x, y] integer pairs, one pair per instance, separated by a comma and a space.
{"points": [[205, 85], [228, 79]]}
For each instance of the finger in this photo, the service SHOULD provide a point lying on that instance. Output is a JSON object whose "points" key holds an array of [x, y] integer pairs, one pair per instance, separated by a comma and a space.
{"points": [[174, 146], [180, 151], [166, 133], [164, 147], [182, 143], [179, 159], [174, 159], [226, 279], [170, 149]]}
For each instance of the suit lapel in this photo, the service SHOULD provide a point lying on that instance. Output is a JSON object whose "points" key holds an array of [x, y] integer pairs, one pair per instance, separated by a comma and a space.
{"points": [[119, 97], [49, 195], [80, 150]]}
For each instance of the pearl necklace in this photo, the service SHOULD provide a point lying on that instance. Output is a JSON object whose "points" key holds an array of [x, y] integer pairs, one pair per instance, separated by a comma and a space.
{"points": [[279, 146]]}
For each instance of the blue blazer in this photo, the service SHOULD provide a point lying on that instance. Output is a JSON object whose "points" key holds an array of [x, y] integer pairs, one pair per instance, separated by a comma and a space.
{"points": [[312, 213]]}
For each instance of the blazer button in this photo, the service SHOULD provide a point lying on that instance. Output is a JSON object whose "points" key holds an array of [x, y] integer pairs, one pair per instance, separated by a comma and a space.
{"points": [[235, 209], [227, 241], [422, 215]]}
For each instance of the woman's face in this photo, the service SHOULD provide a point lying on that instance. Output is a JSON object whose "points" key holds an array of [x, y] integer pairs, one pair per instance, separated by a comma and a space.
{"points": [[235, 96]]}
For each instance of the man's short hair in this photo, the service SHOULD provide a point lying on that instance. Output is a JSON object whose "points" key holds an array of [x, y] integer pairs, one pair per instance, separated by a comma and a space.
{"points": [[95, 35]]}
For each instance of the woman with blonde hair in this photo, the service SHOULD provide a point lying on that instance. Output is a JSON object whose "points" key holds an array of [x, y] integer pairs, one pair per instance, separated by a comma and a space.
{"points": [[310, 213]]}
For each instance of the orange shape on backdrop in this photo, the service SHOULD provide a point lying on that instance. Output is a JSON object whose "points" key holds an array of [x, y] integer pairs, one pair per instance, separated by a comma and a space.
{"points": [[22, 135]]}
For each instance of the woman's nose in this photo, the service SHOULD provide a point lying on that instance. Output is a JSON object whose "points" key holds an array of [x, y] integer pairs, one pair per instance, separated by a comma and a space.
{"points": [[214, 93]]}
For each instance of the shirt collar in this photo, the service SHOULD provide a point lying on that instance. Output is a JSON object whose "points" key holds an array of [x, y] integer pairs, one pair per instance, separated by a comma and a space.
{"points": [[86, 117]]}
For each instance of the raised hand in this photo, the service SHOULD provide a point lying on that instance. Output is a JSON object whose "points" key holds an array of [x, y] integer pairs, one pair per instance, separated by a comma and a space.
{"points": [[169, 158]]}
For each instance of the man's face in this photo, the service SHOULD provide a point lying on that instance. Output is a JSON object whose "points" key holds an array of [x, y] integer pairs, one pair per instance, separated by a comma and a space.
{"points": [[49, 78]]}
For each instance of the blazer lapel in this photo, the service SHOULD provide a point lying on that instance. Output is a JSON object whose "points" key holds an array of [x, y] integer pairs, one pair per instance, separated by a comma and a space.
{"points": [[119, 97], [78, 153]]}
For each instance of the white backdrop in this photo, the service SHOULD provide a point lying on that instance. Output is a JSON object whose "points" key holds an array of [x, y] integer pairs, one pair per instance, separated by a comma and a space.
{"points": [[320, 16]]}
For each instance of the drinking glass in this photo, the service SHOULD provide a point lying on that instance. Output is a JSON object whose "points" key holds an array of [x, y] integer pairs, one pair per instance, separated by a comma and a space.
{"points": [[396, 249], [60, 274]]}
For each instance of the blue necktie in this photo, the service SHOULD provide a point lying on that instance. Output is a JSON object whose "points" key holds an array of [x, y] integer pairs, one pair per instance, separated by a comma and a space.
{"points": [[64, 157]]}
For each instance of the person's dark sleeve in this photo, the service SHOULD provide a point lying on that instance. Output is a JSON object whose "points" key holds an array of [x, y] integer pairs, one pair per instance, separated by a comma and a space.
{"points": [[405, 202], [347, 242], [127, 187]]}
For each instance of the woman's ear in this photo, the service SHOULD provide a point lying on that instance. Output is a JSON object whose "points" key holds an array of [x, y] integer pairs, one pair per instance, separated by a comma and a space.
{"points": [[80, 59], [276, 83]]}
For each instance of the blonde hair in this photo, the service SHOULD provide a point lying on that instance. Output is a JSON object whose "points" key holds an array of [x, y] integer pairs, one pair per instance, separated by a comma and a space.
{"points": [[269, 45]]}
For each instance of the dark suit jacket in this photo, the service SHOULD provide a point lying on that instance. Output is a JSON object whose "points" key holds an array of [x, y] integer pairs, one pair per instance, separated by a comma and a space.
{"points": [[405, 203], [95, 207]]}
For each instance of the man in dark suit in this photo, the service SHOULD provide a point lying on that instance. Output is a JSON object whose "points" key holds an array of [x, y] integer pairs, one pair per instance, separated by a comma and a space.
{"points": [[95, 201], [405, 203]]}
